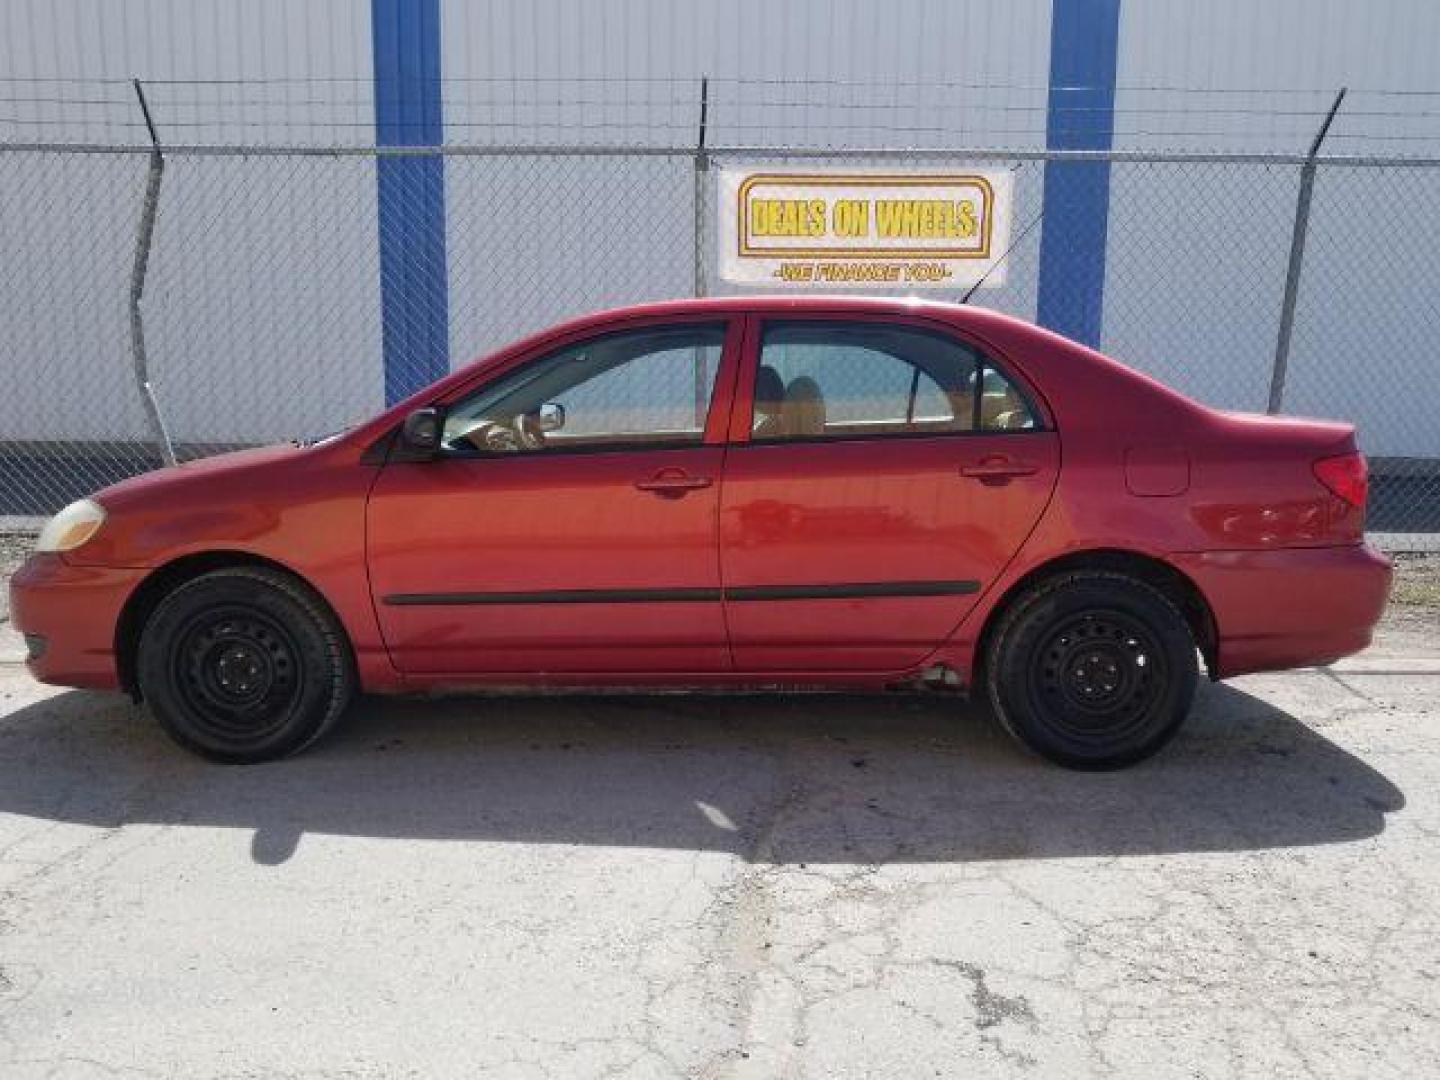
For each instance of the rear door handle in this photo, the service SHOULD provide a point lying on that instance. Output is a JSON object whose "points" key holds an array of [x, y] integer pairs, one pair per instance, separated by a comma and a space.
{"points": [[998, 468], [673, 483]]}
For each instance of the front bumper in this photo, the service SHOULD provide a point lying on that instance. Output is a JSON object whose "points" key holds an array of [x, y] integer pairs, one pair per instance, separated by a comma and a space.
{"points": [[72, 611], [1290, 607]]}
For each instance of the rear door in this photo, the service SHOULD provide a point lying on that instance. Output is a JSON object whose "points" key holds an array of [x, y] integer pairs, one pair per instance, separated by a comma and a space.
{"points": [[864, 511]]}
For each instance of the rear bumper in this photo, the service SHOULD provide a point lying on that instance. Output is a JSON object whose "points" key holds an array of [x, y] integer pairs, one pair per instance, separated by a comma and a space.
{"points": [[1295, 607], [68, 615]]}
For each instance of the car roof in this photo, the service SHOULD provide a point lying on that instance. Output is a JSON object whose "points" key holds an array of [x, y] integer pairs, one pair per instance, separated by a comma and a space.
{"points": [[842, 302], [788, 300], [959, 315]]}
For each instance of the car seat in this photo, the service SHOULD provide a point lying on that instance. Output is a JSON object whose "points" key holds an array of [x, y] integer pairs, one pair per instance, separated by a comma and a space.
{"points": [[769, 403], [1011, 414], [804, 409]]}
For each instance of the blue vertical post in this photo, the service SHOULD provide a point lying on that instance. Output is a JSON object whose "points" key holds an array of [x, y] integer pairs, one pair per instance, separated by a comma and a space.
{"points": [[414, 300], [1084, 35]]}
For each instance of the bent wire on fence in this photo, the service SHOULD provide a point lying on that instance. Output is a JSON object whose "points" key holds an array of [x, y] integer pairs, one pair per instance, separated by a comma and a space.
{"points": [[143, 237]]}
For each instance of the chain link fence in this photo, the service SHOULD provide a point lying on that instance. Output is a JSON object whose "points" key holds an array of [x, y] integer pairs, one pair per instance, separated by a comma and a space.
{"points": [[262, 314]]}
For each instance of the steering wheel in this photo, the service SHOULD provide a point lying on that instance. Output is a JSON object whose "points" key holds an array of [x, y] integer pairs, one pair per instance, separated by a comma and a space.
{"points": [[521, 432]]}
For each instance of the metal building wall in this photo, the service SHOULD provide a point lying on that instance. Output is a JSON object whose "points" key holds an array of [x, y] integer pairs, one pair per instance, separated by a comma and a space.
{"points": [[216, 368], [1240, 76], [1230, 74], [808, 72], [797, 42], [316, 46]]}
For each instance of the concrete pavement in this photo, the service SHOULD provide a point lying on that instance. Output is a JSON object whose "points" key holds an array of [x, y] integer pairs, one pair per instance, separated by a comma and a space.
{"points": [[729, 887]]}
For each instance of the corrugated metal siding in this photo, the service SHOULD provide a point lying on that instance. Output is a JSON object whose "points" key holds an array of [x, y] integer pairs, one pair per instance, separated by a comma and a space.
{"points": [[1237, 75], [826, 73], [1226, 74], [805, 73], [264, 273], [187, 39], [756, 39], [1275, 67], [307, 65]]}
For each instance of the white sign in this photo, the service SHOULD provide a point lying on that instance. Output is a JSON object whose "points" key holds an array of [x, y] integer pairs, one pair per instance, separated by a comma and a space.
{"points": [[828, 229]]}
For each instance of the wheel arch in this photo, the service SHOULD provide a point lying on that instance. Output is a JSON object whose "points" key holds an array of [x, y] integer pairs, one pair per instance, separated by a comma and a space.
{"points": [[165, 578], [1175, 584]]}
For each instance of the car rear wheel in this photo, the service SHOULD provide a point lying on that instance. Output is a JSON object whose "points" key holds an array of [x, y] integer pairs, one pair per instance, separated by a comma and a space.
{"points": [[1092, 669], [244, 664]]}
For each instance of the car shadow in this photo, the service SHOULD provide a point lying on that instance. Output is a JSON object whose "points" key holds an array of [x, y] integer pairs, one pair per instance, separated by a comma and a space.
{"points": [[769, 778]]}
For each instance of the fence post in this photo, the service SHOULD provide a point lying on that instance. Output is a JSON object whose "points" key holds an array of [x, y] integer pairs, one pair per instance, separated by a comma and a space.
{"points": [[1297, 257], [702, 170], [143, 237]]}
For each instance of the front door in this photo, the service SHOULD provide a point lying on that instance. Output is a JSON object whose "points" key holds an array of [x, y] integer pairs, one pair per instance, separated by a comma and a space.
{"points": [[569, 525], [881, 478]]}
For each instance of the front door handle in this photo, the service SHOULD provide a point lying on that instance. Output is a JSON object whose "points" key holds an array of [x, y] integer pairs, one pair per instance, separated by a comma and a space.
{"points": [[997, 468], [673, 483]]}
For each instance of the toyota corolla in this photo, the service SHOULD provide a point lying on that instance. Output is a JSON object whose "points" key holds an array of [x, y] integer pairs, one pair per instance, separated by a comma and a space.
{"points": [[810, 493]]}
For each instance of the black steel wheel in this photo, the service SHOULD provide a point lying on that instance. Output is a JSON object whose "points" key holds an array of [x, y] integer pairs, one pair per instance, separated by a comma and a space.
{"points": [[244, 664], [1094, 670]]}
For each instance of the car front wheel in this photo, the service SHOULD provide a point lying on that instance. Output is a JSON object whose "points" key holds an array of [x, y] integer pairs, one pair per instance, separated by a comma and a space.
{"points": [[1092, 669], [244, 664]]}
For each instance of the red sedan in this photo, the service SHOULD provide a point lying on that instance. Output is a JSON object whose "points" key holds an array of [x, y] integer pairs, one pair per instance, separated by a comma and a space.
{"points": [[810, 492]]}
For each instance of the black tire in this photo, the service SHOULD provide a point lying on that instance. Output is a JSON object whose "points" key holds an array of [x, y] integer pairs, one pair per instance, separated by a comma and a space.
{"points": [[1092, 670], [245, 664]]}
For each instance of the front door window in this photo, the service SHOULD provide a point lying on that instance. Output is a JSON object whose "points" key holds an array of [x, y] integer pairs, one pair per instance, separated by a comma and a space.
{"points": [[634, 389]]}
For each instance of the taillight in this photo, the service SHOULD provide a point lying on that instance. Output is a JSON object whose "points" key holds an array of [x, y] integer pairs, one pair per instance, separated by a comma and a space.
{"points": [[1346, 475]]}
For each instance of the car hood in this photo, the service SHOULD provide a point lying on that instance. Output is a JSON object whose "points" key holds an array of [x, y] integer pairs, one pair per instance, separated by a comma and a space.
{"points": [[165, 481]]}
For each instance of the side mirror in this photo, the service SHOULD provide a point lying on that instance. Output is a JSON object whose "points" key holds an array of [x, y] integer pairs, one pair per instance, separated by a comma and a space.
{"points": [[420, 435], [552, 416]]}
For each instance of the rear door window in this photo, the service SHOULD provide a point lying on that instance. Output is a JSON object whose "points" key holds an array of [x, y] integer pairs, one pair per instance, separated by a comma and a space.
{"points": [[825, 380]]}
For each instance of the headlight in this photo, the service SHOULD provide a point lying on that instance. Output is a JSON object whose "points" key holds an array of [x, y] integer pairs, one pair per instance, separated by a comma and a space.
{"points": [[71, 527]]}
